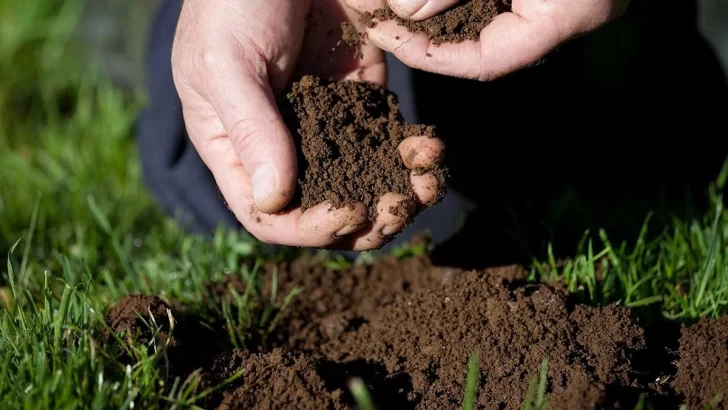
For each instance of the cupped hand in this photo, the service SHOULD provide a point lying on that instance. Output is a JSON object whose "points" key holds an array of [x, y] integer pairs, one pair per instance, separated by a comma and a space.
{"points": [[510, 42], [229, 59]]}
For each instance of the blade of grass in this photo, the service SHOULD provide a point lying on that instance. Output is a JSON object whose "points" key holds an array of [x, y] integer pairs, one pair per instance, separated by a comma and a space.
{"points": [[471, 386]]}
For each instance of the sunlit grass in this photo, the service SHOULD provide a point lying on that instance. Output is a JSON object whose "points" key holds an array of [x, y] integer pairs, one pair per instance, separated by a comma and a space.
{"points": [[79, 231]]}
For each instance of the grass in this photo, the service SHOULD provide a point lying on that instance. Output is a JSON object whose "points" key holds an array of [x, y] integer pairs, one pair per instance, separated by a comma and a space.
{"points": [[79, 231], [684, 270]]}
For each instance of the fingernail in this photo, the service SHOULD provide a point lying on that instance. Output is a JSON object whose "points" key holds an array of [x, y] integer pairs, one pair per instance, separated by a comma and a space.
{"points": [[407, 8], [264, 183]]}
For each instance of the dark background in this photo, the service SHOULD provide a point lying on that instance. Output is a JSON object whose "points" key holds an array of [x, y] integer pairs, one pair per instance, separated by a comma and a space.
{"points": [[626, 120]]}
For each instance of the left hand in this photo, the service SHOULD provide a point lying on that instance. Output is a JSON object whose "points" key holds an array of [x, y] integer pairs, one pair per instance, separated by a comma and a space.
{"points": [[228, 60], [510, 42]]}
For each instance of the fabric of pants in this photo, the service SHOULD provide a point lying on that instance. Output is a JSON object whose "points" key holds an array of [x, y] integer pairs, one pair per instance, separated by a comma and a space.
{"points": [[624, 121]]}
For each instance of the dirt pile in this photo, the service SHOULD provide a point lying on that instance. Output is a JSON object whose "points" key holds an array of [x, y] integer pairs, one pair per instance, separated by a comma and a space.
{"points": [[275, 380], [148, 322], [407, 328], [462, 22], [431, 335], [141, 319], [702, 372], [348, 133], [334, 301]]}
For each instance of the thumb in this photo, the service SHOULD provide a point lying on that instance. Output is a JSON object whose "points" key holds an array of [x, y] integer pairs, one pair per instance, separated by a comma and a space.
{"points": [[246, 106], [420, 9]]}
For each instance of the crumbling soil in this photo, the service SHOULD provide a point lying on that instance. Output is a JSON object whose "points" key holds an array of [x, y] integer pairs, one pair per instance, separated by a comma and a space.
{"points": [[275, 380], [460, 23], [702, 372], [407, 328], [348, 133], [140, 318]]}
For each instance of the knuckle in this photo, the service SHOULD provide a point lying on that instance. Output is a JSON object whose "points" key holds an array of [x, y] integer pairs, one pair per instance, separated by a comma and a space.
{"points": [[211, 60]]}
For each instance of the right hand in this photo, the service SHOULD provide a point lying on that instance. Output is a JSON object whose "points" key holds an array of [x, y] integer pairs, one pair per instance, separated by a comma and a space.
{"points": [[510, 42], [228, 58]]}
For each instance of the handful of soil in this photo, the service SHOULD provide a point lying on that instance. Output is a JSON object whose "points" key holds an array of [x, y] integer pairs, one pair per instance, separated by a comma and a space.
{"points": [[460, 23], [348, 133]]}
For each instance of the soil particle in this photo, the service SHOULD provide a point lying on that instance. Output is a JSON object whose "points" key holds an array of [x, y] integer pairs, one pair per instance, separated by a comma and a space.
{"points": [[275, 380], [430, 336], [460, 23], [349, 133], [702, 370]]}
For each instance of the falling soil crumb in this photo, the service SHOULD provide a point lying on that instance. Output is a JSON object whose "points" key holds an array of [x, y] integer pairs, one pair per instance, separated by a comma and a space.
{"points": [[460, 23], [349, 133], [352, 37], [702, 371]]}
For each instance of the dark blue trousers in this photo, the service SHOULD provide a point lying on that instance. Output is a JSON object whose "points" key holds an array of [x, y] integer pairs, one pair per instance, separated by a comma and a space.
{"points": [[623, 121]]}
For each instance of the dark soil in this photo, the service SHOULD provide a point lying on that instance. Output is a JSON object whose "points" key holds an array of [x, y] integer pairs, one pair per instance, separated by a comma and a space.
{"points": [[702, 372], [275, 380], [349, 133], [462, 22], [407, 328], [351, 35]]}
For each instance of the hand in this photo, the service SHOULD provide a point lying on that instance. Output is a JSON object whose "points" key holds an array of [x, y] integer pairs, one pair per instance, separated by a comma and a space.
{"points": [[228, 59], [511, 41]]}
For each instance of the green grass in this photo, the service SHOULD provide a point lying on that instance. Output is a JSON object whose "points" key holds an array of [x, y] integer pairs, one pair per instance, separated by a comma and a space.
{"points": [[684, 270], [79, 231], [471, 382]]}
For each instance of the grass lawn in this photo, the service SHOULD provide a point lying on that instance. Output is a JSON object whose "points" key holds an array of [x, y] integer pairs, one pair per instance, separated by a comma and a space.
{"points": [[79, 231]]}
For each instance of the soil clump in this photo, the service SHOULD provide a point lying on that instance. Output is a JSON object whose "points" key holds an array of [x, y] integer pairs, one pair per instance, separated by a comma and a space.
{"points": [[348, 133], [460, 23]]}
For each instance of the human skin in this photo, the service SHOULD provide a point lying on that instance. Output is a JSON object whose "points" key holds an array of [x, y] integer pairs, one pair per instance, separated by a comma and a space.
{"points": [[510, 42], [229, 59]]}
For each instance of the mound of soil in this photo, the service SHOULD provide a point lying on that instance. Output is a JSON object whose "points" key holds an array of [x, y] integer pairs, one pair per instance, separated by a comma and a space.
{"points": [[349, 133], [334, 302], [702, 371], [407, 328], [186, 339], [135, 318], [431, 335], [275, 380], [462, 22]]}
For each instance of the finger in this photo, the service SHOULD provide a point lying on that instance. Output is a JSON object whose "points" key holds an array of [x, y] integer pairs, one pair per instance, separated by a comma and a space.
{"points": [[394, 211], [245, 104], [508, 43], [420, 9], [426, 188], [321, 225], [421, 152], [318, 226]]}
